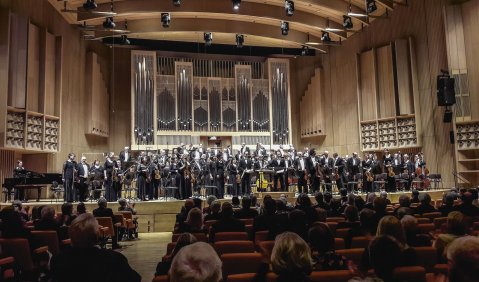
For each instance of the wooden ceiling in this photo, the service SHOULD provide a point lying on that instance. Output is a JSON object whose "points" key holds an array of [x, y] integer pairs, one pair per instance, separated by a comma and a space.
{"points": [[258, 20]]}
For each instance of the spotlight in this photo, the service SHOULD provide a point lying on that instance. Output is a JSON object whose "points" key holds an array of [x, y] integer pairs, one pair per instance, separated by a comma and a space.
{"points": [[177, 3], [89, 5], [208, 36], [108, 23], [166, 19], [371, 6], [304, 51], [236, 4], [289, 7], [325, 37], [239, 40], [347, 22], [124, 40], [284, 28]]}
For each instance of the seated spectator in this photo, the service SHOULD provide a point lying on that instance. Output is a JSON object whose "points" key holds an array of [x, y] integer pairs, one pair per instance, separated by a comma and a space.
{"points": [[281, 208], [235, 202], [246, 211], [184, 240], [384, 255], [124, 206], [456, 228], [367, 222], [467, 208], [198, 202], [359, 203], [352, 218], [291, 258], [475, 196], [391, 226], [214, 214], [384, 195], [405, 203], [320, 203], [48, 221], [18, 206], [181, 217], [370, 200], [402, 211], [463, 258], [81, 208], [415, 197], [37, 213], [275, 224], [379, 206], [327, 198], [193, 223], [321, 241], [447, 204], [67, 215], [104, 211], [298, 223], [413, 237], [425, 205], [196, 262], [322, 215], [12, 224], [209, 201], [305, 205], [84, 261], [227, 222], [334, 208]]}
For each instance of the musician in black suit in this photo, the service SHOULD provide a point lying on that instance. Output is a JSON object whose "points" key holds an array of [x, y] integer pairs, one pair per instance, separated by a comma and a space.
{"points": [[244, 150], [141, 178], [327, 164], [125, 157], [97, 172], [275, 164], [288, 165], [245, 164], [338, 166], [353, 168], [408, 171], [83, 169], [368, 171], [68, 175], [311, 167], [301, 169], [18, 172], [109, 166], [220, 177]]}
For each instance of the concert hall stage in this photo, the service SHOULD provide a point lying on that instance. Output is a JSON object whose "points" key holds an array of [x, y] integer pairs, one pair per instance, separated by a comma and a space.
{"points": [[159, 215]]}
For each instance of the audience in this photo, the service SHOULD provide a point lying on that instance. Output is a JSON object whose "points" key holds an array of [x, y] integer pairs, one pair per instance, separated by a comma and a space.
{"points": [[405, 205], [193, 223], [209, 200], [447, 204], [320, 203], [304, 204], [181, 217], [321, 241], [124, 206], [413, 237], [384, 255], [13, 225], [215, 209], [298, 223], [370, 200], [67, 215], [463, 258], [291, 258], [415, 197], [81, 208], [456, 227], [246, 211], [47, 222], [352, 218], [384, 195], [84, 261], [184, 240], [227, 222], [425, 205], [235, 202], [270, 221], [104, 211], [467, 208]]}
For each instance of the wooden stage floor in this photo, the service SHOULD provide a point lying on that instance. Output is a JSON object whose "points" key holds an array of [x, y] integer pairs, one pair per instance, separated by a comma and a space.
{"points": [[159, 215]]}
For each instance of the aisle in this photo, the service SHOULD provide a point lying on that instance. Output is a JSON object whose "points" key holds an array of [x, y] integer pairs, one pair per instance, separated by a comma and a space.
{"points": [[145, 253]]}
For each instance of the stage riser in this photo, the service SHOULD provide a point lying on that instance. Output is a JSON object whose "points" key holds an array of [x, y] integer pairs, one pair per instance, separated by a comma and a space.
{"points": [[160, 216]]}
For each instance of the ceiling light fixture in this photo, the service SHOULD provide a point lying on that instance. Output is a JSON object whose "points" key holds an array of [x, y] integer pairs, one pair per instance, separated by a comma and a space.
{"points": [[325, 37], [236, 4], [165, 19], [353, 14], [284, 28], [208, 37], [124, 40], [109, 23], [89, 5], [239, 40], [177, 3], [289, 7], [347, 22], [371, 6], [305, 51]]}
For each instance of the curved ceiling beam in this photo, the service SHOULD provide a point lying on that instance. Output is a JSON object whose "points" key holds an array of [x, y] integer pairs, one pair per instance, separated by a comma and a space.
{"points": [[124, 9], [137, 27]]}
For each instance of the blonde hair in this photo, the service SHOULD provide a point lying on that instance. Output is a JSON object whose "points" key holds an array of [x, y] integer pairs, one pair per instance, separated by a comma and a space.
{"points": [[84, 231], [291, 254], [390, 225], [197, 262]]}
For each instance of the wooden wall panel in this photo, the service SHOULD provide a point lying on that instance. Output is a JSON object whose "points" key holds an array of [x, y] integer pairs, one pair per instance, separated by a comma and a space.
{"points": [[367, 81], [470, 17], [404, 79], [385, 77], [4, 65], [18, 61], [48, 79], [33, 67]]}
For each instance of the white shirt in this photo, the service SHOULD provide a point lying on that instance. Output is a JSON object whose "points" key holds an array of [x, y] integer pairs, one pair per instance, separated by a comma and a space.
{"points": [[127, 156], [85, 170], [301, 161]]}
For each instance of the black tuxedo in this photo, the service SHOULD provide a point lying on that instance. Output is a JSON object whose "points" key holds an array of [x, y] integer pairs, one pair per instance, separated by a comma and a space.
{"points": [[311, 167], [327, 164], [124, 158], [245, 164], [301, 174], [339, 166], [82, 185], [220, 178], [69, 168], [352, 165], [278, 165], [244, 150]]}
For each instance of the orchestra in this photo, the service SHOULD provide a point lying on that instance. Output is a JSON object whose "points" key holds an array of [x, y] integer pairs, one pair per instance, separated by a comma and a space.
{"points": [[194, 171]]}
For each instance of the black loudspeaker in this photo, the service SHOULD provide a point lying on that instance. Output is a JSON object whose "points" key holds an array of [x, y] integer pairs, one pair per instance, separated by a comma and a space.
{"points": [[451, 137], [446, 95], [447, 116]]}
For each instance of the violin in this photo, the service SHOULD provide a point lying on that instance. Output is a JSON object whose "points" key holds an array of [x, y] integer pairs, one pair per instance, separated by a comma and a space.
{"points": [[391, 171]]}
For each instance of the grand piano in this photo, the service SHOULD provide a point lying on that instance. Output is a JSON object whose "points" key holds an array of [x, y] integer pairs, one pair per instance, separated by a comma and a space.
{"points": [[31, 180]]}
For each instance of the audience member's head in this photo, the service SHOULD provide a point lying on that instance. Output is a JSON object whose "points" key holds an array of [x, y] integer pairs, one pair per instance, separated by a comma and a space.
{"points": [[210, 200], [384, 255], [383, 194], [122, 202], [449, 199], [185, 239], [197, 262], [391, 226], [291, 256], [404, 201], [246, 203], [322, 214], [198, 202], [269, 206], [415, 194], [189, 204], [321, 239], [84, 231], [351, 214], [402, 211], [409, 224], [304, 200], [48, 213], [195, 218], [359, 203], [343, 192], [456, 223], [319, 197], [463, 257], [280, 206], [67, 209], [370, 198], [474, 193], [216, 207], [380, 205], [367, 220], [467, 198], [328, 197], [102, 202], [425, 199], [226, 210], [235, 201], [254, 200], [81, 208]]}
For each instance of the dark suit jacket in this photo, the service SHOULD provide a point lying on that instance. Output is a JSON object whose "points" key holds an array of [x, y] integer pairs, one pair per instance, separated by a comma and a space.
{"points": [[81, 171], [353, 169], [92, 264], [103, 212], [122, 156], [226, 225], [244, 214]]}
